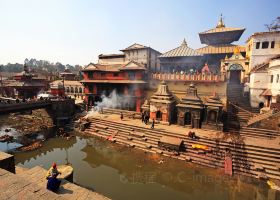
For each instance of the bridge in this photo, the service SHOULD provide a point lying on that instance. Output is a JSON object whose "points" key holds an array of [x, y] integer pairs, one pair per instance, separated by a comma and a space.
{"points": [[58, 109]]}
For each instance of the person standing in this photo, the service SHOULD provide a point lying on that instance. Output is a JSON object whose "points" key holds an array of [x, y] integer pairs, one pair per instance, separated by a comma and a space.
{"points": [[153, 124], [121, 116]]}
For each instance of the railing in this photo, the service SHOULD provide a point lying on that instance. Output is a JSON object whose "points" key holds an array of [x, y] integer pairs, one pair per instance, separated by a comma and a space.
{"points": [[189, 77], [236, 106]]}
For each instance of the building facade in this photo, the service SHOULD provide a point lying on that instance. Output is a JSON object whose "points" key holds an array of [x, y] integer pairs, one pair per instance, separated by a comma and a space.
{"points": [[262, 46], [123, 84]]}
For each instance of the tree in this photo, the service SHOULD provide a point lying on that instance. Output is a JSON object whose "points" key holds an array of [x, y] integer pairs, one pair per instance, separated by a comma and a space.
{"points": [[274, 25]]}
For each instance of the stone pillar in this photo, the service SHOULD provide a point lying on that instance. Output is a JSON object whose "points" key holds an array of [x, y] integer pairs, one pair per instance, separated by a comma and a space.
{"points": [[138, 105], [153, 115]]}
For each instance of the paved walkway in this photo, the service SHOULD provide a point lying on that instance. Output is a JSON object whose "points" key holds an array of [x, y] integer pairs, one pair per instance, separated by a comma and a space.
{"points": [[203, 133]]}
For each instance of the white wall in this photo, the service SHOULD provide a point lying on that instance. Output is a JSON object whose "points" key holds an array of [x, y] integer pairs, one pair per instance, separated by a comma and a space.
{"points": [[258, 83], [258, 56], [274, 69]]}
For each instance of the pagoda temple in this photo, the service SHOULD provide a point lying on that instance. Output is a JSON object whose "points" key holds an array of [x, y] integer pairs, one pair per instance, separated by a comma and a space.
{"points": [[191, 108], [219, 43], [25, 85], [162, 104], [182, 58]]}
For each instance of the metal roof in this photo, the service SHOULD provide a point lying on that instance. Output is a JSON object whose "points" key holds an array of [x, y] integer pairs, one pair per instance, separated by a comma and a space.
{"points": [[222, 29], [181, 51], [218, 49]]}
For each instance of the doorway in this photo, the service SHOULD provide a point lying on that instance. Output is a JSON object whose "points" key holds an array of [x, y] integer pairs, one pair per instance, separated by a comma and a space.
{"points": [[188, 118], [158, 115]]}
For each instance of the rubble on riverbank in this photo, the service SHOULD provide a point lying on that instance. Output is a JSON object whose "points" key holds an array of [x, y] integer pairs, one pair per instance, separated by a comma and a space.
{"points": [[26, 124]]}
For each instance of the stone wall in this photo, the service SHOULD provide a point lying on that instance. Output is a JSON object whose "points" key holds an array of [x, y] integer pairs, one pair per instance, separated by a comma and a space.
{"points": [[7, 162]]}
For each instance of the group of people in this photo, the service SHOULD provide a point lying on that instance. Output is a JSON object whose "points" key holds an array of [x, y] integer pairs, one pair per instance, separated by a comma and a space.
{"points": [[146, 118]]}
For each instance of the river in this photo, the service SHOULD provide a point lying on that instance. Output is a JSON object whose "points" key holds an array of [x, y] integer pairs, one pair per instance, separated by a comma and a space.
{"points": [[123, 173]]}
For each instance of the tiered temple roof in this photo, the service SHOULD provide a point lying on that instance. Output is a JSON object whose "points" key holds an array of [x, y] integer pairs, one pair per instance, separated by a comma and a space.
{"points": [[192, 100], [181, 51], [221, 34], [162, 95], [214, 102]]}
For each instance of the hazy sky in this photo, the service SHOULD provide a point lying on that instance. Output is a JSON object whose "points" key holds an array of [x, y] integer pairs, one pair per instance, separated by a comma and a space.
{"points": [[77, 31]]}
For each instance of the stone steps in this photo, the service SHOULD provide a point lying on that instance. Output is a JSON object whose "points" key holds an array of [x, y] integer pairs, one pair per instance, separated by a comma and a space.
{"points": [[259, 117], [253, 154], [36, 175]]}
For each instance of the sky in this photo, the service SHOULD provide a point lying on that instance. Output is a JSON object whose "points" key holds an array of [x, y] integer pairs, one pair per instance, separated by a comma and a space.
{"points": [[77, 31]]}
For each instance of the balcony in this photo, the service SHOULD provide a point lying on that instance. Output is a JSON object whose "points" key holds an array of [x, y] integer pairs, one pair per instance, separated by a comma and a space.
{"points": [[208, 78]]}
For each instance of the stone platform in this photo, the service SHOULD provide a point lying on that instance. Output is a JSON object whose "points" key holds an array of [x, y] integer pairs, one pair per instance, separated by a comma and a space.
{"points": [[31, 184]]}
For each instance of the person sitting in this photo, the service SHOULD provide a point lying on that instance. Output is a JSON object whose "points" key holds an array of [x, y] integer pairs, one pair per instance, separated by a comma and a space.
{"points": [[52, 171], [53, 183]]}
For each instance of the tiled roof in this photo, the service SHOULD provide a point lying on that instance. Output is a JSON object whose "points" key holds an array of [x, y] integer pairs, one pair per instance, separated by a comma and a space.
{"points": [[217, 49], [260, 67], [131, 65], [181, 51], [135, 46], [74, 83], [113, 81], [99, 67]]}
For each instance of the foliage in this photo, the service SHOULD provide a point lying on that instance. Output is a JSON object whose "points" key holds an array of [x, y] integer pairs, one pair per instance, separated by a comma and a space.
{"points": [[39, 65]]}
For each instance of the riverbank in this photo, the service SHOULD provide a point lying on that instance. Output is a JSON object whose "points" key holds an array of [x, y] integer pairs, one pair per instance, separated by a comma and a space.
{"points": [[26, 124]]}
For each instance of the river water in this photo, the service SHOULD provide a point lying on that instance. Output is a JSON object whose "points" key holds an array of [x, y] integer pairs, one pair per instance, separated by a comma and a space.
{"points": [[123, 173]]}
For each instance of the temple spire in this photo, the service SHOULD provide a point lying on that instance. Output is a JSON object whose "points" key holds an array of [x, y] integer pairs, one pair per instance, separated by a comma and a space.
{"points": [[184, 43], [221, 22]]}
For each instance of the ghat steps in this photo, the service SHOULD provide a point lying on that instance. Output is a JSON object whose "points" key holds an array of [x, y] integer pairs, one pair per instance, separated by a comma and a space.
{"points": [[257, 133], [31, 185], [246, 158]]}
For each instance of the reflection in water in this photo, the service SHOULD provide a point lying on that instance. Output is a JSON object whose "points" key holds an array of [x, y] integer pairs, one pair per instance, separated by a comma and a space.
{"points": [[122, 173]]}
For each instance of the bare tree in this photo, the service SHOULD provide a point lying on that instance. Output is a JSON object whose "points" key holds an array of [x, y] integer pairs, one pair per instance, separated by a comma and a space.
{"points": [[274, 25]]}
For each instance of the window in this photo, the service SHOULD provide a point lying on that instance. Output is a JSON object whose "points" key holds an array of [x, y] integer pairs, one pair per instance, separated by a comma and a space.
{"points": [[72, 90], [277, 79], [103, 74], [76, 90], [272, 44], [265, 45], [80, 90], [90, 74], [131, 75], [115, 74], [257, 45], [271, 79], [90, 88]]}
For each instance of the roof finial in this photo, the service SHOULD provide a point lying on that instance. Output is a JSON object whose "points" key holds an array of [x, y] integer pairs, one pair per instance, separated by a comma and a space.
{"points": [[220, 23], [184, 43]]}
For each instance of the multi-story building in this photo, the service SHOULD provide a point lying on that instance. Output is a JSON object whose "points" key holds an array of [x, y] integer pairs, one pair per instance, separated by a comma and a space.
{"points": [[262, 46], [123, 77], [263, 50], [142, 54], [122, 84]]}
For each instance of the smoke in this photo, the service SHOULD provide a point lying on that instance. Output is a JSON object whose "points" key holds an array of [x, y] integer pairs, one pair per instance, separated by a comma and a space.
{"points": [[114, 100]]}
